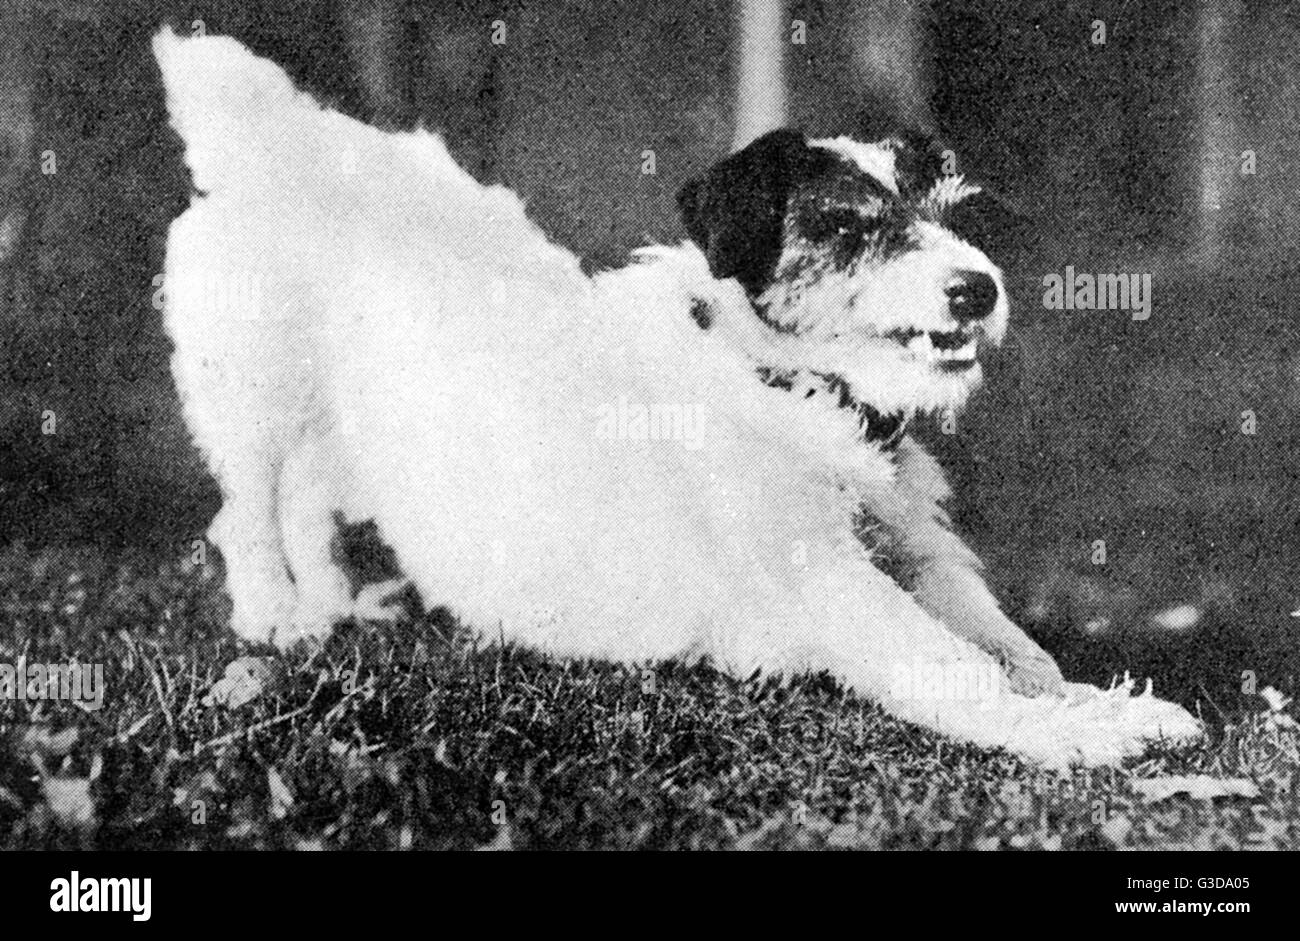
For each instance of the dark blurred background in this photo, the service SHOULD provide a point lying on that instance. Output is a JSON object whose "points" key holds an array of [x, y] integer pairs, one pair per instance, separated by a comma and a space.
{"points": [[1127, 154]]}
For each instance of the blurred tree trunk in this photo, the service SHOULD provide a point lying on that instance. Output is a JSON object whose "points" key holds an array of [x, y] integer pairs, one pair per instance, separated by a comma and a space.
{"points": [[17, 166], [893, 59], [1216, 107], [760, 72], [1267, 115], [374, 31], [458, 77], [419, 62]]}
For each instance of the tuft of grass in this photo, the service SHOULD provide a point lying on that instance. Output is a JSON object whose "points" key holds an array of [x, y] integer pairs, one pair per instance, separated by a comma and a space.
{"points": [[411, 736]]}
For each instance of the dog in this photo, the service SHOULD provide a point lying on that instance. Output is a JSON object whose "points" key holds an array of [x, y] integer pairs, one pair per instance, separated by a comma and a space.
{"points": [[703, 454]]}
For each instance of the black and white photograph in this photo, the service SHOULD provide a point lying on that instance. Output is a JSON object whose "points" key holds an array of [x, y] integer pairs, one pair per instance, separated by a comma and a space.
{"points": [[678, 425]]}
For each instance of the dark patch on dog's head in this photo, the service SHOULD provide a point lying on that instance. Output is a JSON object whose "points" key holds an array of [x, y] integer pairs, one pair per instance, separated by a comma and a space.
{"points": [[986, 219], [989, 222], [919, 161], [848, 214], [781, 189], [736, 211]]}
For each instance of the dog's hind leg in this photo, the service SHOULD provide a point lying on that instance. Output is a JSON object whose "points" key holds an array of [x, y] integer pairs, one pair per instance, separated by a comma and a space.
{"points": [[312, 491], [247, 532]]}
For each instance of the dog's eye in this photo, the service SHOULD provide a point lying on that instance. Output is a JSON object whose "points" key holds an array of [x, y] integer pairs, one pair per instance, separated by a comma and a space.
{"points": [[838, 224]]}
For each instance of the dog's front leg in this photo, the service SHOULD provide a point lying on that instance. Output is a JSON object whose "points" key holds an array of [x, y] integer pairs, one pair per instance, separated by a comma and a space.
{"points": [[877, 637], [958, 596], [946, 581]]}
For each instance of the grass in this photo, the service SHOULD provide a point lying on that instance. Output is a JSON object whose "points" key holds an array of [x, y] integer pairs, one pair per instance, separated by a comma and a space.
{"points": [[410, 736]]}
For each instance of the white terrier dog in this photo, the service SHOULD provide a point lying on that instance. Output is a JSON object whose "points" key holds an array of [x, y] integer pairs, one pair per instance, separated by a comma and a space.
{"points": [[703, 454]]}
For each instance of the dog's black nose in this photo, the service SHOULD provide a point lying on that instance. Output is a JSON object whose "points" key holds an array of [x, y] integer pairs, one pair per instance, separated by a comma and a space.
{"points": [[972, 295]]}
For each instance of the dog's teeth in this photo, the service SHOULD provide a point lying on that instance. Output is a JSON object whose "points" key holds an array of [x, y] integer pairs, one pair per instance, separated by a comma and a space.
{"points": [[966, 351], [923, 346]]}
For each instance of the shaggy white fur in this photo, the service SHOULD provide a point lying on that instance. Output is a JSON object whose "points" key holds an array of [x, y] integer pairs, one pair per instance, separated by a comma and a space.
{"points": [[570, 462]]}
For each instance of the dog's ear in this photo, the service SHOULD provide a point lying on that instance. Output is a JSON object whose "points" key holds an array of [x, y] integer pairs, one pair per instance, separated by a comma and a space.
{"points": [[736, 211]]}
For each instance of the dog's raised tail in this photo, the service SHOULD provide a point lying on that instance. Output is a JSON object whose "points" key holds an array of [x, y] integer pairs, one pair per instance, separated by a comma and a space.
{"points": [[229, 106]]}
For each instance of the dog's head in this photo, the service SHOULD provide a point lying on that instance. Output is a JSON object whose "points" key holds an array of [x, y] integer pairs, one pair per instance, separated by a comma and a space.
{"points": [[863, 254]]}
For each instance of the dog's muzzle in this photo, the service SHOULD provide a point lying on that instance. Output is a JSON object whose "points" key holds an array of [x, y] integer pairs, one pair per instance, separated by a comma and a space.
{"points": [[972, 298]]}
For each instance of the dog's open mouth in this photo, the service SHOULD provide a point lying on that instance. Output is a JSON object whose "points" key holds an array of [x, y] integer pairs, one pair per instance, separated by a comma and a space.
{"points": [[947, 350]]}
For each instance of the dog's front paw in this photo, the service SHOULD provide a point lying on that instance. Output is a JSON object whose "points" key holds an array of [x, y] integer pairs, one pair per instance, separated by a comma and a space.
{"points": [[1033, 673]]}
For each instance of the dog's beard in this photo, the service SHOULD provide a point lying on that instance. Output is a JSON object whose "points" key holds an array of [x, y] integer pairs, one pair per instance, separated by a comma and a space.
{"points": [[903, 371], [912, 376]]}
